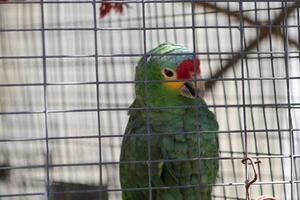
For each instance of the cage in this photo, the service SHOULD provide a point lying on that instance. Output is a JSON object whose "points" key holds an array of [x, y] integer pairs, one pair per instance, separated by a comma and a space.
{"points": [[67, 80]]}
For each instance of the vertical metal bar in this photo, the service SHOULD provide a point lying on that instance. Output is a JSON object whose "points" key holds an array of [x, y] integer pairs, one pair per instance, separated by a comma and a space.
{"points": [[149, 139], [275, 95], [151, 24], [264, 111], [194, 40], [165, 24], [197, 103], [251, 111], [242, 38], [45, 97], [238, 102], [262, 100], [222, 175], [226, 101], [198, 129], [25, 36], [286, 62], [297, 171], [113, 87], [174, 22], [156, 13], [94, 4], [185, 36]]}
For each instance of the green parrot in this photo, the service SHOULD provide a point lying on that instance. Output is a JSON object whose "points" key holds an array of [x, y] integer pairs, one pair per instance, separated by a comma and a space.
{"points": [[163, 147]]}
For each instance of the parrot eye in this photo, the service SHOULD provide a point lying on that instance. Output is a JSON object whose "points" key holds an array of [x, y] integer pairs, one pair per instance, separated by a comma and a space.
{"points": [[168, 72]]}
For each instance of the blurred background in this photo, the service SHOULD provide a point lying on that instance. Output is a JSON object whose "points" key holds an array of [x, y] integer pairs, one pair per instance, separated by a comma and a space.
{"points": [[53, 113]]}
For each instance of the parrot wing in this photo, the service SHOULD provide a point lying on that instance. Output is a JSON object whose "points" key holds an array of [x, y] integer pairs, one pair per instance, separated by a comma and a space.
{"points": [[188, 171], [175, 169]]}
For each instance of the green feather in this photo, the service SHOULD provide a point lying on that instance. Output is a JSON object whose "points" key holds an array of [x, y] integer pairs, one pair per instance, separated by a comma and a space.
{"points": [[179, 137]]}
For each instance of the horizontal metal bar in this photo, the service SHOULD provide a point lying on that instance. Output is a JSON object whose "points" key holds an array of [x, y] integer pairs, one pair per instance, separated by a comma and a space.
{"points": [[211, 58], [22, 194], [181, 186], [141, 82], [149, 28], [230, 184], [112, 135], [60, 83], [21, 113], [278, 105], [82, 164], [132, 1], [141, 54]]}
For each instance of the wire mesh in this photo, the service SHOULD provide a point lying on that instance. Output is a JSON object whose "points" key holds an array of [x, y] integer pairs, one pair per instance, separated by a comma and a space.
{"points": [[67, 79]]}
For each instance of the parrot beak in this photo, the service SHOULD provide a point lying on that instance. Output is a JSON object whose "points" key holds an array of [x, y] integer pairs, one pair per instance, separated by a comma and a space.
{"points": [[186, 71], [193, 89]]}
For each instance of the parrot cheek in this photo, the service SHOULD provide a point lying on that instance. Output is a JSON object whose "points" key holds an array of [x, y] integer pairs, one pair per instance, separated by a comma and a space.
{"points": [[172, 84]]}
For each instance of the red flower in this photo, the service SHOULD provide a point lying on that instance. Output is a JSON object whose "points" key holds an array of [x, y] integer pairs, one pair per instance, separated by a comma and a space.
{"points": [[106, 7]]}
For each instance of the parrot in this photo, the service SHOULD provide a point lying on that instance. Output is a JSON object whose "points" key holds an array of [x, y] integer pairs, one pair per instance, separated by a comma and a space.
{"points": [[162, 146]]}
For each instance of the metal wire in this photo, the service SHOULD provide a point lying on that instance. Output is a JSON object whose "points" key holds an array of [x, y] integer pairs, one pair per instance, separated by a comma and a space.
{"points": [[45, 100], [66, 81], [286, 62]]}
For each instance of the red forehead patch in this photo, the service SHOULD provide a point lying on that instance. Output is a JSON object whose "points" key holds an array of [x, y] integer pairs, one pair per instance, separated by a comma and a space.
{"points": [[186, 69]]}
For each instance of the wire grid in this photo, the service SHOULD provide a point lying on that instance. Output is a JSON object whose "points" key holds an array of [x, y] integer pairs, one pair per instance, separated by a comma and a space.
{"points": [[67, 81]]}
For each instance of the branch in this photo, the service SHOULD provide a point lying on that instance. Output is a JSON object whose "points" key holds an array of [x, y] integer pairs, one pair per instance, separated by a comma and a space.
{"points": [[233, 14], [262, 35], [291, 41]]}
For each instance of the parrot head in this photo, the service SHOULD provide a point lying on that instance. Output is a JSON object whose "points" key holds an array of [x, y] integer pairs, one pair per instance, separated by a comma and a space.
{"points": [[171, 71], [184, 76]]}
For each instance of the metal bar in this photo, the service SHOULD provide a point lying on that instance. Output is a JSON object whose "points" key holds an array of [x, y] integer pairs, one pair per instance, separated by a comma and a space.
{"points": [[276, 101], [139, 55], [212, 92], [145, 161], [45, 111], [297, 167], [21, 195], [242, 57], [112, 135], [250, 97], [145, 188], [231, 147], [97, 91], [196, 101], [262, 26], [262, 95], [224, 92], [279, 105], [131, 1], [139, 82], [148, 127], [287, 71]]}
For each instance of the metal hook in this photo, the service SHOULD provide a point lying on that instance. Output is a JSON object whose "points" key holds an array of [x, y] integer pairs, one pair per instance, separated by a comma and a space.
{"points": [[244, 161]]}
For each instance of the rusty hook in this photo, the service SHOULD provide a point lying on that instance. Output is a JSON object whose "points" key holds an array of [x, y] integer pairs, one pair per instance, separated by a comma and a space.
{"points": [[248, 185]]}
